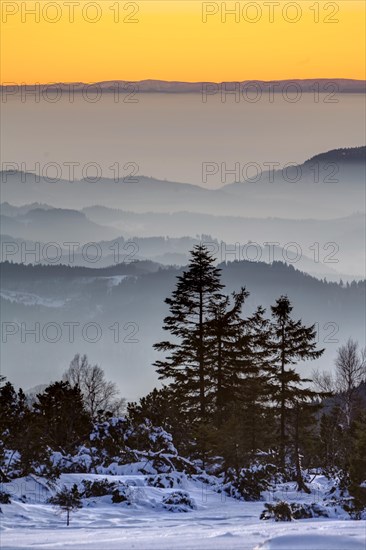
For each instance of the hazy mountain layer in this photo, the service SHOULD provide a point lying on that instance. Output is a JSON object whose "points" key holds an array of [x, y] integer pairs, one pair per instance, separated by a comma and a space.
{"points": [[122, 309], [321, 247], [325, 188]]}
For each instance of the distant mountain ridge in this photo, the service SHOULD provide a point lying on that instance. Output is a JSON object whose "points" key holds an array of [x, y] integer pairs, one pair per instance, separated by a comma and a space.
{"points": [[346, 156], [321, 85], [346, 164], [36, 222], [332, 187], [185, 229]]}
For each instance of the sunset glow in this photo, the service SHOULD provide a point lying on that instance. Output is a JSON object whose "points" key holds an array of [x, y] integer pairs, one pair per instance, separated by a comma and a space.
{"points": [[181, 40]]}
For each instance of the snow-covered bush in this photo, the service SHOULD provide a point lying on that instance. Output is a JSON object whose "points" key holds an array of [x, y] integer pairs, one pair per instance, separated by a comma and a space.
{"points": [[58, 463], [339, 499], [356, 506], [113, 443], [122, 494], [306, 511], [119, 441], [4, 497], [179, 501], [280, 511], [129, 492], [167, 481], [97, 488], [251, 482], [108, 441], [284, 511]]}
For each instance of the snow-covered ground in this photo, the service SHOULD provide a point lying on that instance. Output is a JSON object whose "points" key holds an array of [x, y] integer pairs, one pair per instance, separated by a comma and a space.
{"points": [[218, 522]]}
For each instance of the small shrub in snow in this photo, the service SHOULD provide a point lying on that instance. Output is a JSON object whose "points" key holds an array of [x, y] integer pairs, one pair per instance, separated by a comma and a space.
{"points": [[252, 481], [356, 506], [340, 499], [319, 511], [67, 500], [283, 511], [300, 511], [4, 498], [122, 494], [306, 511], [166, 481], [118, 497], [98, 488], [280, 511], [179, 501]]}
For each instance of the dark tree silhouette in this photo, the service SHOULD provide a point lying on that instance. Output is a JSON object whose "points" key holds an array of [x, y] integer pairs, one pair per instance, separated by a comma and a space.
{"points": [[291, 341], [62, 417], [190, 307]]}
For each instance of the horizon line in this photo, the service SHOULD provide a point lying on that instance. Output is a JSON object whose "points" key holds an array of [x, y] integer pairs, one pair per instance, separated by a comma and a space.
{"points": [[10, 83]]}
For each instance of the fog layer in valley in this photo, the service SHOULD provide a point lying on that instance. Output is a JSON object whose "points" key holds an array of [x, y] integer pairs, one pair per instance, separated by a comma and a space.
{"points": [[276, 190]]}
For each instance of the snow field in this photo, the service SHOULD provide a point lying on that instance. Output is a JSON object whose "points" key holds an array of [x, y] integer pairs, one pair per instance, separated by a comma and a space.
{"points": [[217, 522]]}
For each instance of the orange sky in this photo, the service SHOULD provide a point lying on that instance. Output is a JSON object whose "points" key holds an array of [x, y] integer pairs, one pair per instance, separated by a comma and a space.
{"points": [[169, 40]]}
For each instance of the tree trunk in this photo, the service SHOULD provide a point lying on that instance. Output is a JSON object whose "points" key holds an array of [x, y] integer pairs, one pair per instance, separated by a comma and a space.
{"points": [[283, 402], [68, 517], [201, 360], [219, 400], [300, 482], [254, 434]]}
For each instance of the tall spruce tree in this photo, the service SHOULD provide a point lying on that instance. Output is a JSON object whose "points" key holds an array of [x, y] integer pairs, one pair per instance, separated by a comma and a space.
{"points": [[225, 335], [254, 363], [187, 364], [244, 385], [291, 341]]}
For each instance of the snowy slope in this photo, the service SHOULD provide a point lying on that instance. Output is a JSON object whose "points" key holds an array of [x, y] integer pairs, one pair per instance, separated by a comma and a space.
{"points": [[218, 522]]}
